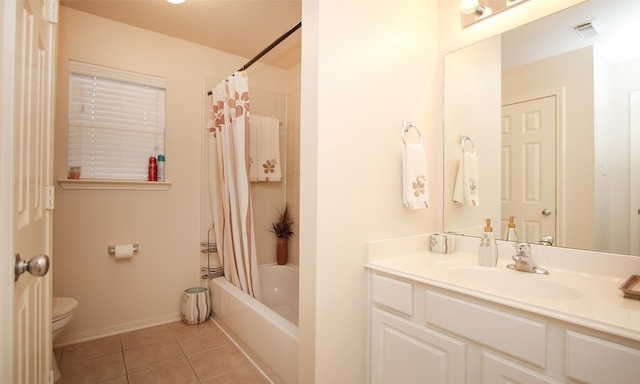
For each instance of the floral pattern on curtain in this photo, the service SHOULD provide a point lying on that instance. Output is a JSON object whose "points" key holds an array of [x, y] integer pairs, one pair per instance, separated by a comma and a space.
{"points": [[229, 187]]}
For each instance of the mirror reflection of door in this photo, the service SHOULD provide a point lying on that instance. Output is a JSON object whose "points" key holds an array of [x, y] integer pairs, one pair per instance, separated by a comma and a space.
{"points": [[529, 167]]}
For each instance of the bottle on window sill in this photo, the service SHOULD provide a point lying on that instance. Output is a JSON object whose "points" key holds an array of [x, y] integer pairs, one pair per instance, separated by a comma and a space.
{"points": [[153, 169], [161, 163]]}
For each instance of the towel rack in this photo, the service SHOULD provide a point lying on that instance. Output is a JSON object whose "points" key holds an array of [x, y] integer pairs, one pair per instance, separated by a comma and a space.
{"points": [[464, 138], [406, 125]]}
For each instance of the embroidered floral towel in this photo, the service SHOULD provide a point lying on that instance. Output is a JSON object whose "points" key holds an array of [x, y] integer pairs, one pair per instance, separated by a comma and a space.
{"points": [[414, 173], [466, 188], [264, 147]]}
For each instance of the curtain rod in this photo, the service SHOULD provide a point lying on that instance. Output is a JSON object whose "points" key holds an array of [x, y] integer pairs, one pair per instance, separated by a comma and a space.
{"points": [[271, 46], [266, 50]]}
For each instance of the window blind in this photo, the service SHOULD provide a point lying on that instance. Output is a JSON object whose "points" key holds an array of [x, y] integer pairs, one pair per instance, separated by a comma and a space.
{"points": [[116, 122]]}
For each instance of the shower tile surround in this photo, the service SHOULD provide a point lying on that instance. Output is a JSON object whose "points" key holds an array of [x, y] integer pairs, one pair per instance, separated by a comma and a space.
{"points": [[175, 353], [268, 198]]}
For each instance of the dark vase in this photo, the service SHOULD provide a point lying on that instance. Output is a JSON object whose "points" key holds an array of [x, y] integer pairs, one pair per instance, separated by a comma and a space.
{"points": [[281, 251]]}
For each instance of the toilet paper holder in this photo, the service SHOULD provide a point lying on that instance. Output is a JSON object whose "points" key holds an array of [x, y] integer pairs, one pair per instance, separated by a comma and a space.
{"points": [[112, 249]]}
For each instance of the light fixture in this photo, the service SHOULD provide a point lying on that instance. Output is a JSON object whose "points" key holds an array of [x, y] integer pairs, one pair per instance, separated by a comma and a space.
{"points": [[469, 7], [176, 1]]}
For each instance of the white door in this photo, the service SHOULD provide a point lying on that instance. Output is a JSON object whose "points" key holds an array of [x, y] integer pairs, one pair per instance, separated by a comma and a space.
{"points": [[529, 167], [27, 68]]}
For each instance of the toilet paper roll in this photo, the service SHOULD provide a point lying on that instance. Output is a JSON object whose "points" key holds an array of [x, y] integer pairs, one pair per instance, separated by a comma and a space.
{"points": [[124, 251]]}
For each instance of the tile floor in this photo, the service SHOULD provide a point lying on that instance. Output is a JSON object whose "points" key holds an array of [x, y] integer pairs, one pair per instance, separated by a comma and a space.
{"points": [[174, 353]]}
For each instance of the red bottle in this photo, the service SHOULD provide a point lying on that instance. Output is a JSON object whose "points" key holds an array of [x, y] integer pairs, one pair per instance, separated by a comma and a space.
{"points": [[153, 169]]}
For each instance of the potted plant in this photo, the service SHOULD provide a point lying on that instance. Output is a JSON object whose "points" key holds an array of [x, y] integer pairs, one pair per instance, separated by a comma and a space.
{"points": [[283, 228]]}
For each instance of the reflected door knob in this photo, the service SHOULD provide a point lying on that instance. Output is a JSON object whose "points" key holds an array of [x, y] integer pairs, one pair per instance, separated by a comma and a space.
{"points": [[37, 266], [546, 212]]}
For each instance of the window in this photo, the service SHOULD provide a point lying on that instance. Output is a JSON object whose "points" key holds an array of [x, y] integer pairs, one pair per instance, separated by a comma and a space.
{"points": [[116, 122]]}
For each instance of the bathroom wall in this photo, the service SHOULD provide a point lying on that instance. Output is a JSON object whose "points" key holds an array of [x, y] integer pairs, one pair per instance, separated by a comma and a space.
{"points": [[293, 160], [613, 139], [366, 67], [145, 290]]}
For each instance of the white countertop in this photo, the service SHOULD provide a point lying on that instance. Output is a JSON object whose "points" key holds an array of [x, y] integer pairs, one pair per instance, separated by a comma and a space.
{"points": [[592, 300]]}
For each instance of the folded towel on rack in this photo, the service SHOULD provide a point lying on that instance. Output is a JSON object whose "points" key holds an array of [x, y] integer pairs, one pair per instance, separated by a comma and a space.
{"points": [[466, 187], [264, 149], [415, 191]]}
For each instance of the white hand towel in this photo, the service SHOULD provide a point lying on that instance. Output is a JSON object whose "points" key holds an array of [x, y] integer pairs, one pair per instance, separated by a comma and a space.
{"points": [[264, 147], [415, 191], [466, 188]]}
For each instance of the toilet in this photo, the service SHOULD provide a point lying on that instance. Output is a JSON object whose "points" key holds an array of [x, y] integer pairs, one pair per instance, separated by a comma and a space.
{"points": [[62, 310]]}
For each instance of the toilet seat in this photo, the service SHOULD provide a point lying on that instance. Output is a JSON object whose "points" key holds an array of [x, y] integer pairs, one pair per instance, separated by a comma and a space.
{"points": [[62, 307]]}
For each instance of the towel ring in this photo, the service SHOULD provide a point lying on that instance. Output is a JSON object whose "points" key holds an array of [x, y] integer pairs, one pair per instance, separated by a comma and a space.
{"points": [[406, 125], [467, 138]]}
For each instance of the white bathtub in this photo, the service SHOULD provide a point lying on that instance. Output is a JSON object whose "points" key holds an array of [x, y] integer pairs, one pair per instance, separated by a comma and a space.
{"points": [[267, 333]]}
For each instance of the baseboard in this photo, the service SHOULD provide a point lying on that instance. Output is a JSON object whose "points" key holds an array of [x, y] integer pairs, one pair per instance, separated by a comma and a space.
{"points": [[74, 338]]}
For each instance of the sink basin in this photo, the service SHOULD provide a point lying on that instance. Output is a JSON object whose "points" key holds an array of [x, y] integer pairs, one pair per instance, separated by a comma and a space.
{"points": [[514, 282]]}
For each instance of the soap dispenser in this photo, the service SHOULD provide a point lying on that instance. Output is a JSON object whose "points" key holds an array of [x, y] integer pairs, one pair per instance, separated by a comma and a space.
{"points": [[488, 254], [511, 230]]}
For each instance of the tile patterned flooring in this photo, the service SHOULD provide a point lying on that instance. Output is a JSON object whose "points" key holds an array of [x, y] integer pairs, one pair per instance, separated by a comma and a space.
{"points": [[174, 353]]}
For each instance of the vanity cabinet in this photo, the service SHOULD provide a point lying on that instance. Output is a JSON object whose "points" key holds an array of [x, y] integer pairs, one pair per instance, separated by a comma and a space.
{"points": [[425, 334]]}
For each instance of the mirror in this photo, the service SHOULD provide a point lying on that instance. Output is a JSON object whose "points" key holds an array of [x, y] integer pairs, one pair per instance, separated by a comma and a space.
{"points": [[582, 83]]}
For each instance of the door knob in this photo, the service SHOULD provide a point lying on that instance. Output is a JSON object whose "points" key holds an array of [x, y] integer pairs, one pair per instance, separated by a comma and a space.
{"points": [[546, 212], [37, 266]]}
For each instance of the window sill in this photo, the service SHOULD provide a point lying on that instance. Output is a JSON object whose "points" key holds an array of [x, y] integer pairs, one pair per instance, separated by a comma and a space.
{"points": [[122, 185]]}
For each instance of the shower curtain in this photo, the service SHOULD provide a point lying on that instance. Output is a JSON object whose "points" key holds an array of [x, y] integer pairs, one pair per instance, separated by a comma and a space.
{"points": [[229, 187]]}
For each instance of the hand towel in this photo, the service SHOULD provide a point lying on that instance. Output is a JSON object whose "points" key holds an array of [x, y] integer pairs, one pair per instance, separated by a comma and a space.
{"points": [[264, 149], [415, 192], [466, 188]]}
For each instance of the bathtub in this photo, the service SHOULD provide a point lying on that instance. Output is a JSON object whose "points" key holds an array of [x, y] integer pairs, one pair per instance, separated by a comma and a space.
{"points": [[267, 332]]}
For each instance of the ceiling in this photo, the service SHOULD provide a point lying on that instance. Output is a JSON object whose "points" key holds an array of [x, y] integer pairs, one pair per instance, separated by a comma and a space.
{"points": [[239, 27]]}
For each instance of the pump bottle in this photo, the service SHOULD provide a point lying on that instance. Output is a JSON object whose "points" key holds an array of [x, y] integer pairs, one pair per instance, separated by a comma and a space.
{"points": [[488, 253], [511, 230]]}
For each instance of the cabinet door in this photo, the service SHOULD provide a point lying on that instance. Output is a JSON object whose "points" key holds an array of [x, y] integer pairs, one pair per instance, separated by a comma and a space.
{"points": [[497, 370], [408, 353], [596, 361]]}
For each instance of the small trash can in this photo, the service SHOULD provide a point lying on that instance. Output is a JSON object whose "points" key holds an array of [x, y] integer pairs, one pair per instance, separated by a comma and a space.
{"points": [[196, 305]]}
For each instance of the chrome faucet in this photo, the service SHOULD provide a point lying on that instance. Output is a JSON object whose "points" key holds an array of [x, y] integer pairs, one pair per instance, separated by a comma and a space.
{"points": [[523, 260], [547, 240]]}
